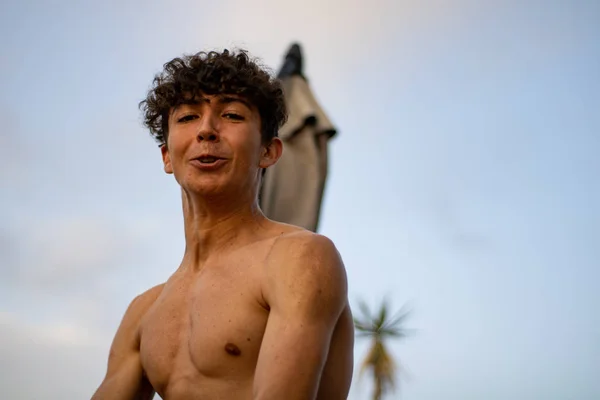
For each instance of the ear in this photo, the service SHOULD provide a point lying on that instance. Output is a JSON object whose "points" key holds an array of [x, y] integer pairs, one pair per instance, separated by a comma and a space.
{"points": [[271, 153], [166, 159]]}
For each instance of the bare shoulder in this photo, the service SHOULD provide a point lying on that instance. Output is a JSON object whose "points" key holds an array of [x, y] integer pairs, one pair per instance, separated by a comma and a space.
{"points": [[140, 304], [305, 250], [308, 263], [129, 328]]}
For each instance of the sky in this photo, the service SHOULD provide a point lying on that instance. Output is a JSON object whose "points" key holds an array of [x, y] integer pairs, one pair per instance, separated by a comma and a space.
{"points": [[464, 180]]}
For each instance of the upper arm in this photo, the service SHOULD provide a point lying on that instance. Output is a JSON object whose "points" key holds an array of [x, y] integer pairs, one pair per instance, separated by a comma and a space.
{"points": [[124, 378], [306, 293]]}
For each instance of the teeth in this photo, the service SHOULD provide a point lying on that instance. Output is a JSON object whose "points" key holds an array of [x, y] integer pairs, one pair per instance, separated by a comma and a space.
{"points": [[208, 160]]}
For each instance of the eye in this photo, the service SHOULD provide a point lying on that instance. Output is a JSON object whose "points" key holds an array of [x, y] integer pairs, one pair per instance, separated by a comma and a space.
{"points": [[187, 118], [233, 116]]}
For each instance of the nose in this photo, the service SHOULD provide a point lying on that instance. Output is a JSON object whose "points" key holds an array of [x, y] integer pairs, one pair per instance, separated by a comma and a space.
{"points": [[207, 131]]}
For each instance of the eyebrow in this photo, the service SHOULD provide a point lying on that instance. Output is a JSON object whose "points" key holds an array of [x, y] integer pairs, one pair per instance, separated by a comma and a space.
{"points": [[233, 99], [220, 99]]}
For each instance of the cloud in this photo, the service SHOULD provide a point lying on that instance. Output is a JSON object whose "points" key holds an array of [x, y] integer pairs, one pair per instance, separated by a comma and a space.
{"points": [[59, 251], [83, 268], [66, 281], [71, 248], [340, 37], [48, 361], [53, 247], [12, 150]]}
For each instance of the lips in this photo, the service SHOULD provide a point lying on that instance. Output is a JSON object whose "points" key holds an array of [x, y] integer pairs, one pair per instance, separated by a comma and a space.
{"points": [[208, 158], [208, 162]]}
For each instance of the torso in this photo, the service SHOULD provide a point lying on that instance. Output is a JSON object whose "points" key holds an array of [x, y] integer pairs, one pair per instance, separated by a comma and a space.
{"points": [[201, 337]]}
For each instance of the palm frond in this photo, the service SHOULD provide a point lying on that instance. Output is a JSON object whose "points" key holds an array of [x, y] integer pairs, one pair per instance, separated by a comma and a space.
{"points": [[398, 334], [379, 327], [367, 334], [398, 317], [382, 315], [364, 309], [363, 326]]}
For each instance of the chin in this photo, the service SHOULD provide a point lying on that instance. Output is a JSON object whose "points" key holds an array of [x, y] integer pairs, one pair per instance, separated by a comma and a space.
{"points": [[205, 186]]}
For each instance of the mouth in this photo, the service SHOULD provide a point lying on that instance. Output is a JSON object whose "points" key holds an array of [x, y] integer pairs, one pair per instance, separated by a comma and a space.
{"points": [[208, 162], [207, 159]]}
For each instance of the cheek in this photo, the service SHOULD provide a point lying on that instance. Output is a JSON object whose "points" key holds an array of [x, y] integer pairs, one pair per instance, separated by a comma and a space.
{"points": [[179, 141], [252, 154]]}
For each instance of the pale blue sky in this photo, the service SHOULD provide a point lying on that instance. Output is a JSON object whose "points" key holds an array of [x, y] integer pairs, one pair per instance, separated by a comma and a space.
{"points": [[464, 179]]}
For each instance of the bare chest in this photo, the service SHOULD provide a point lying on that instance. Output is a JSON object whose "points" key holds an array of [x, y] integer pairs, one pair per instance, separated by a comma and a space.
{"points": [[204, 327]]}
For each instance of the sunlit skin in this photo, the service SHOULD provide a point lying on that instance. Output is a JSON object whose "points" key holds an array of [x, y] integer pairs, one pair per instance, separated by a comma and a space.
{"points": [[227, 127], [257, 309]]}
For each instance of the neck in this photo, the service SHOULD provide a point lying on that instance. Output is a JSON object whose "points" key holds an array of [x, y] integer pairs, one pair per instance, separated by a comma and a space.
{"points": [[212, 224]]}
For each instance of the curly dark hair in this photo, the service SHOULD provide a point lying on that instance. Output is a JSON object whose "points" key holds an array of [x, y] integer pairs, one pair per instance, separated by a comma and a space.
{"points": [[232, 73]]}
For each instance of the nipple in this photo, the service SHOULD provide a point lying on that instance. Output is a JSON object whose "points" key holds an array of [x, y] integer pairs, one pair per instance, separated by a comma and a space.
{"points": [[232, 349]]}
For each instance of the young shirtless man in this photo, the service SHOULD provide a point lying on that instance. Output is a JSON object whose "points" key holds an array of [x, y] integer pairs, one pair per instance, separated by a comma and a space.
{"points": [[257, 309]]}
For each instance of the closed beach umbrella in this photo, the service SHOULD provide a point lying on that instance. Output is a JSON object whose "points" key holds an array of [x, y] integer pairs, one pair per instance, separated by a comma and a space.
{"points": [[292, 189]]}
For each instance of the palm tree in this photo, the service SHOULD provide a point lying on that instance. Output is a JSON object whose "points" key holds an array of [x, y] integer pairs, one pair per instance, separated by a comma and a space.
{"points": [[379, 328]]}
